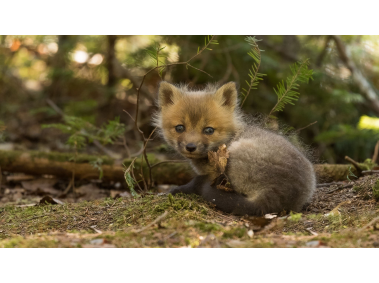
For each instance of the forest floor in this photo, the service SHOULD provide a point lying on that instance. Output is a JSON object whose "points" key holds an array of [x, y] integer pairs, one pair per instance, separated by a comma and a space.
{"points": [[342, 214]]}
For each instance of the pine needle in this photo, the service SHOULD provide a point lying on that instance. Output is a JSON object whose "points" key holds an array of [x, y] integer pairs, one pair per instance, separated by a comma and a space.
{"points": [[255, 77], [287, 93]]}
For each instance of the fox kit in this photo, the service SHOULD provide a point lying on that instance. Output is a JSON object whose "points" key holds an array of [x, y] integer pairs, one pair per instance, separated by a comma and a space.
{"points": [[267, 173]]}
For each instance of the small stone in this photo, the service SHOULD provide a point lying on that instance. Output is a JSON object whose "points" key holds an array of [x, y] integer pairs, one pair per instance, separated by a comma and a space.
{"points": [[313, 244], [97, 241]]}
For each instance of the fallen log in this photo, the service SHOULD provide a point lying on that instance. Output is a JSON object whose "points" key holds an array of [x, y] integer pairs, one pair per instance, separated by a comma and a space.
{"points": [[62, 165]]}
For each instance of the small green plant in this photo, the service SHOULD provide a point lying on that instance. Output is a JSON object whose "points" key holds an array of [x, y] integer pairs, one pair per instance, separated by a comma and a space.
{"points": [[82, 132], [350, 174], [130, 178], [295, 217], [368, 164], [97, 165]]}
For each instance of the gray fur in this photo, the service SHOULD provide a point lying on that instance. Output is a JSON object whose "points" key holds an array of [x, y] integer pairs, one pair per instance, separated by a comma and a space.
{"points": [[267, 172], [270, 171]]}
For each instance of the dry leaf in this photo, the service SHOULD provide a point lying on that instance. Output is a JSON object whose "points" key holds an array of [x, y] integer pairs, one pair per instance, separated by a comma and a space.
{"points": [[335, 211], [218, 160], [223, 161], [224, 188]]}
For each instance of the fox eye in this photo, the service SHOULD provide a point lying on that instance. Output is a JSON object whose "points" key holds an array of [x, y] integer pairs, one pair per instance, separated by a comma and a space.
{"points": [[179, 128], [208, 131]]}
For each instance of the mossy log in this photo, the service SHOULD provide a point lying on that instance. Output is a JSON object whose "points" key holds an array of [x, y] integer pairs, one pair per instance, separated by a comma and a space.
{"points": [[62, 165]]}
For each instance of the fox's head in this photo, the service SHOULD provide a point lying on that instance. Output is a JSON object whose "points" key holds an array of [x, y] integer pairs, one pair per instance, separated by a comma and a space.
{"points": [[195, 122]]}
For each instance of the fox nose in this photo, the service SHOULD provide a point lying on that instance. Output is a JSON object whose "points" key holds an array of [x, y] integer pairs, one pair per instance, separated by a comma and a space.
{"points": [[190, 147]]}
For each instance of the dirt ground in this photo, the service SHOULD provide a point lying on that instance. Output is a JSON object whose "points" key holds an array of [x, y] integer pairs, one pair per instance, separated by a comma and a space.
{"points": [[34, 212]]}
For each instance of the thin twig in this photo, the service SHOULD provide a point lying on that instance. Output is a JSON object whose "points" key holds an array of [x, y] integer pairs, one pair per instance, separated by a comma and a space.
{"points": [[372, 222], [340, 188], [328, 184], [55, 107], [138, 152], [127, 150], [106, 150], [131, 117], [355, 164], [157, 220], [298, 130], [199, 70]]}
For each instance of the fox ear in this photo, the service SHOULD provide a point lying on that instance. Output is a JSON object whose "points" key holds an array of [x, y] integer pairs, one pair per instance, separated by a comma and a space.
{"points": [[168, 94], [227, 95]]}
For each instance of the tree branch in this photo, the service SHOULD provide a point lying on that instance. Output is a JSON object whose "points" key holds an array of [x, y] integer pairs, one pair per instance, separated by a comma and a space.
{"points": [[366, 89]]}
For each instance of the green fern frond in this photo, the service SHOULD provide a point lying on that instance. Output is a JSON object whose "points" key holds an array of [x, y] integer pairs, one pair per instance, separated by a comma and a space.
{"points": [[253, 74], [287, 93]]}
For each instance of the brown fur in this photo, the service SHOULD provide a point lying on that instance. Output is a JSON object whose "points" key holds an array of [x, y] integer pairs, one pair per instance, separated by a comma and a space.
{"points": [[267, 172]]}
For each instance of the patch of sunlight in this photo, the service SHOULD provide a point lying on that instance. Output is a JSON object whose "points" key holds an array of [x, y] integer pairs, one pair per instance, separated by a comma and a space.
{"points": [[96, 59], [52, 47], [366, 122], [80, 56], [127, 84]]}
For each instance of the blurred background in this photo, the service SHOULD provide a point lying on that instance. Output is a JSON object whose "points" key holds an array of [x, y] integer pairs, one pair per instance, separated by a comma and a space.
{"points": [[95, 78]]}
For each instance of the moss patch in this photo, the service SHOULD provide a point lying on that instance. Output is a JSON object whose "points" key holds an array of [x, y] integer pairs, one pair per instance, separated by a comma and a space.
{"points": [[192, 222]]}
